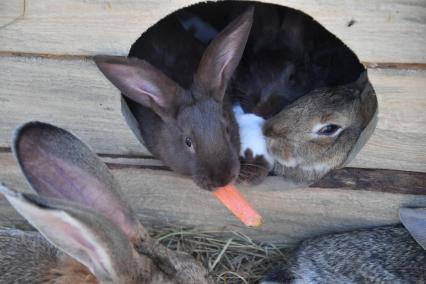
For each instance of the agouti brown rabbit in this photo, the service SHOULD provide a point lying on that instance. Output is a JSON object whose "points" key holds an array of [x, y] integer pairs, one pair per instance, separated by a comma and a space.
{"points": [[322, 130], [88, 232]]}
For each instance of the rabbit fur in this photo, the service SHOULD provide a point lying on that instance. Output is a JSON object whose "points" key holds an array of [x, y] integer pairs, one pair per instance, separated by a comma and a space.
{"points": [[174, 97], [288, 56], [387, 254], [87, 231], [318, 132]]}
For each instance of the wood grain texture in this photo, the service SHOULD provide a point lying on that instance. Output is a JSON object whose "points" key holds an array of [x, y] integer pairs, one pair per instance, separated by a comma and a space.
{"points": [[73, 94], [10, 12], [400, 182], [68, 93], [382, 31], [399, 141], [162, 198]]}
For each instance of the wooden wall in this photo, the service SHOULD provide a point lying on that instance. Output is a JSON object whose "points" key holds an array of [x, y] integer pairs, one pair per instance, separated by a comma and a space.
{"points": [[46, 73]]}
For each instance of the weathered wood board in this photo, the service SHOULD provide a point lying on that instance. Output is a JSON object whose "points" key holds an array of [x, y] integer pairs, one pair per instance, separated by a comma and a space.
{"points": [[383, 31], [68, 93], [163, 198], [73, 94], [46, 74]]}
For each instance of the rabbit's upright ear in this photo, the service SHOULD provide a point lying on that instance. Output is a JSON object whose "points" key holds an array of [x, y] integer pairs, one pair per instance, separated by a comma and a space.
{"points": [[141, 82], [90, 239], [368, 96], [58, 165], [414, 220], [223, 55]]}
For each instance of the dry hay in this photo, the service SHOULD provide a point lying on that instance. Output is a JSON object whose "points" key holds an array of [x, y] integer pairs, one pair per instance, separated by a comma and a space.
{"points": [[232, 259]]}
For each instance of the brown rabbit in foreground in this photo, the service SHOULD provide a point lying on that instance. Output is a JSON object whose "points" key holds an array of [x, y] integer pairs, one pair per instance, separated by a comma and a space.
{"points": [[322, 130], [93, 235]]}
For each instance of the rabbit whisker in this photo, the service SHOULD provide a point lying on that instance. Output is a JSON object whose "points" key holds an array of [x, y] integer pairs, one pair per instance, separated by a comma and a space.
{"points": [[254, 166]]}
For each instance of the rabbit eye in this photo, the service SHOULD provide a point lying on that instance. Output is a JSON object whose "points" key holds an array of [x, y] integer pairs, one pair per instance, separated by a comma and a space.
{"points": [[188, 142], [329, 130]]}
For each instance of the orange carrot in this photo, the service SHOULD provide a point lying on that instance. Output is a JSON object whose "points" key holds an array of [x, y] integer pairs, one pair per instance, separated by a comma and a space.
{"points": [[238, 205]]}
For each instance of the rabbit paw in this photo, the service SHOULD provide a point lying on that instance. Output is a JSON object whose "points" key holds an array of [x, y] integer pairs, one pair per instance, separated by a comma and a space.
{"points": [[255, 160], [253, 169]]}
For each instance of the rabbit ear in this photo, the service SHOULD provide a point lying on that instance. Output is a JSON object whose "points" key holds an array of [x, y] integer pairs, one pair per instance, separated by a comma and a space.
{"points": [[362, 139], [58, 165], [414, 220], [88, 238], [223, 55], [141, 82], [362, 80]]}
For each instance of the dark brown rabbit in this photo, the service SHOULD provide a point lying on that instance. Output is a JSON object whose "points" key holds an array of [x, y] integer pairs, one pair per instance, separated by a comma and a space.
{"points": [[89, 233], [175, 100]]}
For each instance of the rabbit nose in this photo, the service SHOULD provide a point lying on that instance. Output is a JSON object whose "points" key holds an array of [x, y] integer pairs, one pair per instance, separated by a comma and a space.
{"points": [[220, 182], [220, 179]]}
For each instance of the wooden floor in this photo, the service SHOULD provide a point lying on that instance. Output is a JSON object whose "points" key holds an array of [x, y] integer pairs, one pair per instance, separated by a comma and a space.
{"points": [[47, 74]]}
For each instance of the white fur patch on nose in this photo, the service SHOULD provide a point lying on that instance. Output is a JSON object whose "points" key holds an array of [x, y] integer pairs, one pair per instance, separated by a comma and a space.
{"points": [[251, 134]]}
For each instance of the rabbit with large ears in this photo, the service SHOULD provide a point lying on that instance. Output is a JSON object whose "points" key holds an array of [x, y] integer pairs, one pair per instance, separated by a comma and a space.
{"points": [[389, 254], [89, 234], [287, 56], [175, 102], [322, 130]]}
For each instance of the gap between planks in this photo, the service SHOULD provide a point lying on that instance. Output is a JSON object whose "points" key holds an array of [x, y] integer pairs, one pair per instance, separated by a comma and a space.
{"points": [[369, 65], [374, 180]]}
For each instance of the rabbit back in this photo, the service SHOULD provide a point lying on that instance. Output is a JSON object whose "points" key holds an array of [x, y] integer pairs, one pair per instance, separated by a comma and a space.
{"points": [[380, 255]]}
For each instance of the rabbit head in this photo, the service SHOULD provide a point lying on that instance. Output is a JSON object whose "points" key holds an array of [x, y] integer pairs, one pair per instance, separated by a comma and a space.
{"points": [[322, 130], [80, 209], [191, 130]]}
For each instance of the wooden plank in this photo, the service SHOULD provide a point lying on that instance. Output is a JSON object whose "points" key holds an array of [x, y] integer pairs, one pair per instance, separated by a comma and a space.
{"points": [[375, 180], [382, 31], [399, 141], [68, 93], [162, 198], [74, 95], [10, 12]]}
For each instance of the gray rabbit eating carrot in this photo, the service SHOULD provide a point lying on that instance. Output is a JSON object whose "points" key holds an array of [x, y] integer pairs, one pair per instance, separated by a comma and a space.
{"points": [[174, 97], [87, 232]]}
